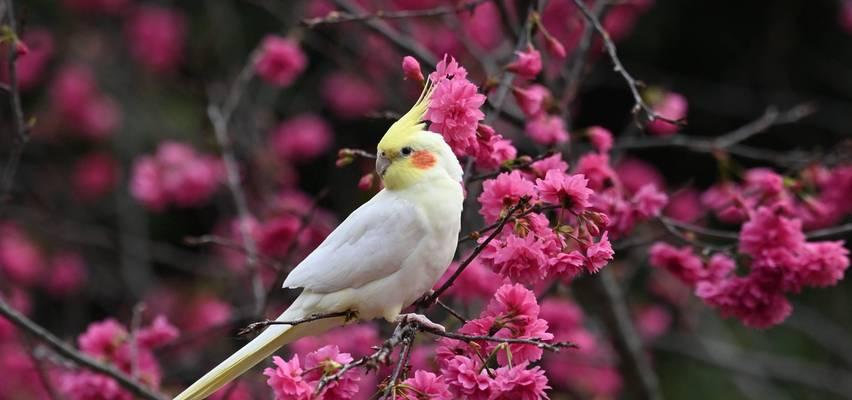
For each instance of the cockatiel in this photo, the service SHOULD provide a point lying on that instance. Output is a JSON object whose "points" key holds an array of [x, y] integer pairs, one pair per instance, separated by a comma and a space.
{"points": [[382, 258]]}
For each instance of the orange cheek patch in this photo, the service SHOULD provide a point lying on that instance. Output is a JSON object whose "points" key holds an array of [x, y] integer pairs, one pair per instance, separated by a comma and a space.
{"points": [[423, 159]]}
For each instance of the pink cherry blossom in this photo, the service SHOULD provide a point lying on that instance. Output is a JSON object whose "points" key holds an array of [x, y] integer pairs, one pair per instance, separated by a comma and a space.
{"points": [[448, 68], [532, 99], [547, 129], [177, 175], [160, 332], [85, 385], [770, 237], [286, 380], [527, 64], [20, 259], [653, 322], [520, 382], [492, 149], [67, 274], [301, 138], [467, 380], [757, 299], [600, 137], [673, 106], [648, 201], [503, 192], [94, 175], [455, 114], [79, 102], [599, 254], [552, 163], [156, 37], [823, 263], [349, 96], [635, 173], [102, 339], [521, 259], [682, 262], [327, 360], [596, 168], [568, 191], [279, 61], [427, 385], [685, 205]]}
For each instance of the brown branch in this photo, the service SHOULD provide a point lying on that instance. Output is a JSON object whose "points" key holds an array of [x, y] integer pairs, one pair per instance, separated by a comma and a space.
{"points": [[41, 334], [518, 163], [429, 300], [496, 101], [729, 142], [336, 17], [639, 104], [20, 129], [575, 68], [537, 342], [404, 356], [220, 118], [257, 326]]}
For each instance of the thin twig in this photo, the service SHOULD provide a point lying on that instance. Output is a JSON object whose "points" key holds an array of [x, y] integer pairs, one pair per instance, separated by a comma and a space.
{"points": [[451, 311], [41, 334], [769, 118], [404, 356], [575, 68], [135, 324], [518, 163], [21, 131], [336, 17], [537, 342], [220, 118], [256, 326], [632, 83], [728, 142], [38, 363]]}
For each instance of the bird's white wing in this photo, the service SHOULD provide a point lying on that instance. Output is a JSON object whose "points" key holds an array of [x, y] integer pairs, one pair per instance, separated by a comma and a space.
{"points": [[370, 244]]}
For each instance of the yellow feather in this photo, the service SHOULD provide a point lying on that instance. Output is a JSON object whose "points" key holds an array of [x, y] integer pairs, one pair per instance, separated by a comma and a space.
{"points": [[410, 123]]}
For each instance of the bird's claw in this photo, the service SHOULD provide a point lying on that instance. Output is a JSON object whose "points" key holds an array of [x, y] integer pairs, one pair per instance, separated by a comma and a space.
{"points": [[420, 319]]}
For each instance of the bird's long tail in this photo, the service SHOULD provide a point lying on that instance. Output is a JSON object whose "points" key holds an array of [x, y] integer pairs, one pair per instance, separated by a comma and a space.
{"points": [[256, 351]]}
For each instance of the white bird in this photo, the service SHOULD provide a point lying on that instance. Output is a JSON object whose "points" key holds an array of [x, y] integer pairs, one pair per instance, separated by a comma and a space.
{"points": [[382, 258]]}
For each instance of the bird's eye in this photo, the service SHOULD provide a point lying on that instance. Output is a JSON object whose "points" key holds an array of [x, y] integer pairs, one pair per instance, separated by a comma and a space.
{"points": [[406, 151]]}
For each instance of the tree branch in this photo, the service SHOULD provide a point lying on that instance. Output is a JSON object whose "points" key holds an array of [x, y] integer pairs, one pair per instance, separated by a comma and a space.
{"points": [[336, 17], [256, 326], [632, 83], [20, 129], [41, 334], [537, 342], [220, 118]]}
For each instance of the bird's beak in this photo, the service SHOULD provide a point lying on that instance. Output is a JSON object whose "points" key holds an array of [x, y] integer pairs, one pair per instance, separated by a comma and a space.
{"points": [[382, 164]]}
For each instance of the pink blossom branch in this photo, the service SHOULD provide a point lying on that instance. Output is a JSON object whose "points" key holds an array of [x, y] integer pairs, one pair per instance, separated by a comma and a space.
{"points": [[220, 118], [537, 342], [639, 104], [518, 163], [20, 129], [336, 17], [41, 334]]}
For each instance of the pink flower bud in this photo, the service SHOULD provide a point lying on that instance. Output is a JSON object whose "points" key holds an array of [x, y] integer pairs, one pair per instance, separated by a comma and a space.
{"points": [[411, 69], [528, 63], [601, 138], [21, 48], [555, 47], [532, 99], [366, 181]]}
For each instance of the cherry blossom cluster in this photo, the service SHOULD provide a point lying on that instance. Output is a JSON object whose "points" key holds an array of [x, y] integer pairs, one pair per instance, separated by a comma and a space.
{"points": [[533, 250], [175, 175], [110, 341], [771, 246]]}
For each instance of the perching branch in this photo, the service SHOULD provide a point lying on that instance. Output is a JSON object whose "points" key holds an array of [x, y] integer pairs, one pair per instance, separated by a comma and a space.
{"points": [[20, 129], [537, 342], [41, 334], [220, 118], [640, 104], [336, 17], [257, 326]]}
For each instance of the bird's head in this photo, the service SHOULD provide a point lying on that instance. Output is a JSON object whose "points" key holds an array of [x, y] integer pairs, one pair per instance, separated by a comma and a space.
{"points": [[409, 154]]}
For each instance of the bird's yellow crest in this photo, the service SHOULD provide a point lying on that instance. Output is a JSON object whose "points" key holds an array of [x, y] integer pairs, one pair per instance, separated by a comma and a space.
{"points": [[410, 123]]}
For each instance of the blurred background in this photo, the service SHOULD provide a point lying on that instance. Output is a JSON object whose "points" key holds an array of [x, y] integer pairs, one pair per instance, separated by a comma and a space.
{"points": [[120, 207]]}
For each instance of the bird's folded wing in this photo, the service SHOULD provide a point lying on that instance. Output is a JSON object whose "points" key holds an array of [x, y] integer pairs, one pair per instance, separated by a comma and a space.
{"points": [[370, 244]]}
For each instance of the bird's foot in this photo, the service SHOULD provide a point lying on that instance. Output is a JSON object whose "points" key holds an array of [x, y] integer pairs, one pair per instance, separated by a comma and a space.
{"points": [[422, 320]]}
